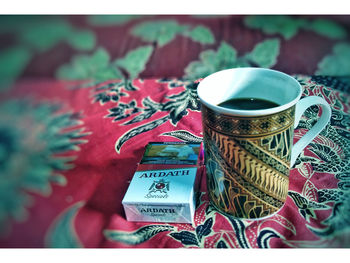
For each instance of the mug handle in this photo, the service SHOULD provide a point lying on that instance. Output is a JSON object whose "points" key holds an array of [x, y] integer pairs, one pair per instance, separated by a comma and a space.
{"points": [[321, 123]]}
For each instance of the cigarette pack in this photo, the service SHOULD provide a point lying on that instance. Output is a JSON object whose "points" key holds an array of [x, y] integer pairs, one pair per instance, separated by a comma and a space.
{"points": [[163, 186]]}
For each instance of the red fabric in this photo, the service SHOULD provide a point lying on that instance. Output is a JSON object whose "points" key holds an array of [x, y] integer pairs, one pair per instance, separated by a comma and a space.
{"points": [[299, 54], [99, 179]]}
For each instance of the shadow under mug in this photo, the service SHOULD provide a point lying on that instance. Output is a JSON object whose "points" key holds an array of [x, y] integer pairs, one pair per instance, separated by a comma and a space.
{"points": [[248, 153]]}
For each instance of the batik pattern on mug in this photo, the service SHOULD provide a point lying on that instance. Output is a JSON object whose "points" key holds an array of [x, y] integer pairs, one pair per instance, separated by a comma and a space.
{"points": [[248, 161]]}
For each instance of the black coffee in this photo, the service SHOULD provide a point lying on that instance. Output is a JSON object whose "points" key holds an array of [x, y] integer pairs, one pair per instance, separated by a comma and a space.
{"points": [[248, 104]]}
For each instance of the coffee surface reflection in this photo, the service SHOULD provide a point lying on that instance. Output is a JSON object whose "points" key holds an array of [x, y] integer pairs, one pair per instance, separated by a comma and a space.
{"points": [[248, 104]]}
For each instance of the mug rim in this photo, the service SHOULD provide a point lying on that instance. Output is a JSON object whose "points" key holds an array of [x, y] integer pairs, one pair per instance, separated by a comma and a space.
{"points": [[249, 113]]}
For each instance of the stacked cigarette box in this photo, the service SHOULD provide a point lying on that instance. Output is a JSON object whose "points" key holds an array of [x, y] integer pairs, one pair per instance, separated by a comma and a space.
{"points": [[162, 188]]}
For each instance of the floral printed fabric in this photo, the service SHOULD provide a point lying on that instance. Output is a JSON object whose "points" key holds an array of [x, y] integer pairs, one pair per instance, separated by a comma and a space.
{"points": [[81, 96], [66, 167], [99, 48]]}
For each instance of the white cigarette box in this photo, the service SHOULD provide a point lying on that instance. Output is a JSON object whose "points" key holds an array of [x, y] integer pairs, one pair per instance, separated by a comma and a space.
{"points": [[162, 188]]}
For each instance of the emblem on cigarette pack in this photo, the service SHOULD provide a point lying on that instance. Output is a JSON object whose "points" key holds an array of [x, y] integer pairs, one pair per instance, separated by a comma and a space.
{"points": [[160, 186], [158, 189]]}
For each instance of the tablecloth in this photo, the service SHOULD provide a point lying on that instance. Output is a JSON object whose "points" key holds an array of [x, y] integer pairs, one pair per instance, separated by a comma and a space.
{"points": [[78, 106], [71, 155]]}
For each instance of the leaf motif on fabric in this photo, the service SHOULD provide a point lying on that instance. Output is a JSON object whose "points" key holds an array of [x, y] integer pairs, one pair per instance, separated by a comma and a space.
{"points": [[310, 191], [327, 28], [176, 106], [164, 31], [327, 141], [134, 62], [306, 170], [123, 111], [330, 150], [41, 35], [226, 55], [204, 229], [150, 108], [13, 60], [138, 236], [112, 91], [61, 233], [202, 35], [330, 161], [307, 208], [161, 32], [287, 26], [304, 203], [211, 61], [185, 237], [183, 135], [94, 67], [82, 40], [265, 53], [138, 130], [337, 63], [174, 82], [179, 103]]}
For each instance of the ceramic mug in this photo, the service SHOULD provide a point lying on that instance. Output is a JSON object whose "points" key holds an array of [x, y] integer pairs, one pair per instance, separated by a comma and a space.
{"points": [[248, 153]]}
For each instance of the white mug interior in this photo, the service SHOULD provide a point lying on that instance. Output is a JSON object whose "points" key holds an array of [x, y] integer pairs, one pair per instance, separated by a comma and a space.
{"points": [[257, 83]]}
